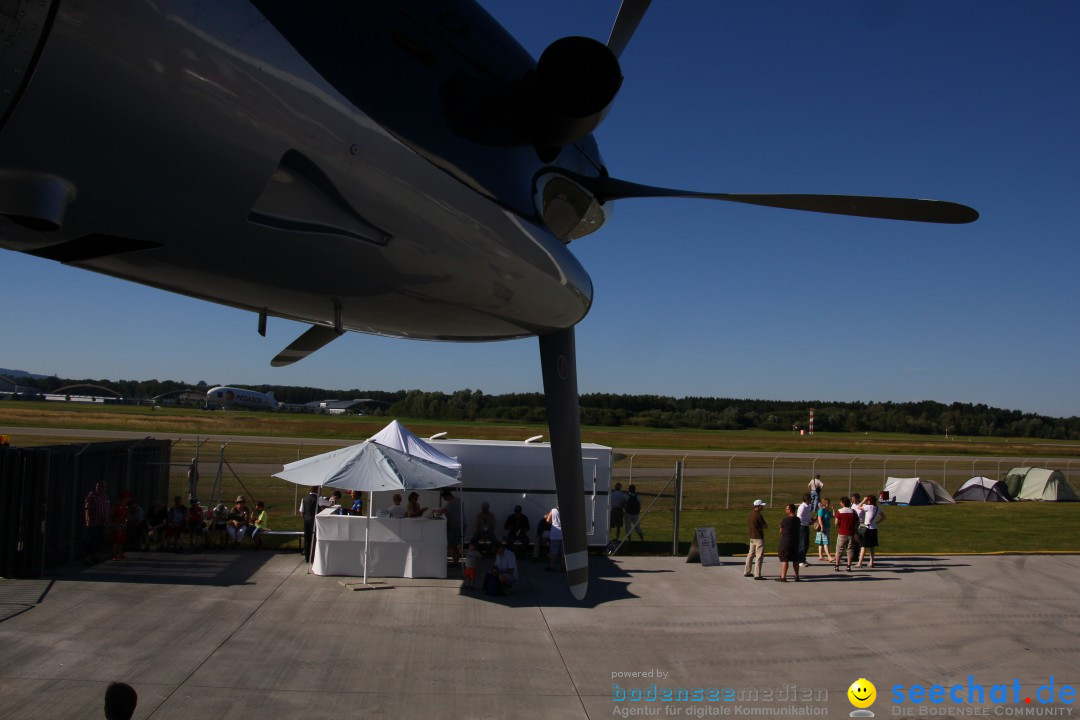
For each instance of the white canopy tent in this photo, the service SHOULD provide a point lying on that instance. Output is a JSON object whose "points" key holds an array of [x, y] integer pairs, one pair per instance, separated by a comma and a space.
{"points": [[371, 467]]}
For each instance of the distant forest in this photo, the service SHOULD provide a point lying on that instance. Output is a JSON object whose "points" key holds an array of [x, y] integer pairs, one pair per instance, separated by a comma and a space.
{"points": [[657, 411]]}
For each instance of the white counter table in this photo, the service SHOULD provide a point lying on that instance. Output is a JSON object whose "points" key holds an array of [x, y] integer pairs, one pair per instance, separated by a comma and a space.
{"points": [[411, 548]]}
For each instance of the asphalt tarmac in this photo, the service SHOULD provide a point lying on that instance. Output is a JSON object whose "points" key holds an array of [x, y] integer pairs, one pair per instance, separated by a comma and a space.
{"points": [[253, 635]]}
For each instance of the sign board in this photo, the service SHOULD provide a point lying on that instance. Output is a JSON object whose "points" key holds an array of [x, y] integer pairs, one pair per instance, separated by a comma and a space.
{"points": [[706, 542]]}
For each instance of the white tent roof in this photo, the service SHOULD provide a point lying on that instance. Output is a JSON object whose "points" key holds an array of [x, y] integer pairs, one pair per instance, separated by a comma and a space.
{"points": [[370, 467], [397, 436]]}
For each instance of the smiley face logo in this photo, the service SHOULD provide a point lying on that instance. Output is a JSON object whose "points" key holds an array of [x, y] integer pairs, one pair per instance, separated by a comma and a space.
{"points": [[862, 693]]}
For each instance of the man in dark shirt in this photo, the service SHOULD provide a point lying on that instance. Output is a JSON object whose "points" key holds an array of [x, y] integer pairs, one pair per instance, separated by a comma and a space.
{"points": [[309, 508], [757, 541], [790, 532], [517, 528]]}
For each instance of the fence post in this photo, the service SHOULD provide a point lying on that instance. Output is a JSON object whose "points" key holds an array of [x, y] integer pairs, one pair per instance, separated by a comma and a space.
{"points": [[678, 506], [727, 502], [772, 482], [849, 470]]}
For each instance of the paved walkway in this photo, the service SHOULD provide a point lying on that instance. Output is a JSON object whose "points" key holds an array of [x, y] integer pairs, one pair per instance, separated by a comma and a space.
{"points": [[250, 635]]}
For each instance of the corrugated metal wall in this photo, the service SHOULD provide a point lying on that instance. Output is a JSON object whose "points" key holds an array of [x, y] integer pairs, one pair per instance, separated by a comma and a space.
{"points": [[43, 489]]}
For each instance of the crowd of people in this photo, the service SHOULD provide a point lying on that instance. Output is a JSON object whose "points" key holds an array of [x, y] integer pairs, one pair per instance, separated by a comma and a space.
{"points": [[810, 524], [124, 525]]}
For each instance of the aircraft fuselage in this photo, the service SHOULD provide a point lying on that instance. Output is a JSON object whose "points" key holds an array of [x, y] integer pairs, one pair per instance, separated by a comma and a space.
{"points": [[175, 143]]}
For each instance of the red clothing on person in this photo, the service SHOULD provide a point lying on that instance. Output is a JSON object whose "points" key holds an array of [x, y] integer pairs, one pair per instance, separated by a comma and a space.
{"points": [[847, 520]]}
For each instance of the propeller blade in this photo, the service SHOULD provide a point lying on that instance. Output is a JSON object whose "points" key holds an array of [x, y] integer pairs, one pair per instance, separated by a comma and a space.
{"points": [[559, 365], [630, 14], [888, 208], [313, 338]]}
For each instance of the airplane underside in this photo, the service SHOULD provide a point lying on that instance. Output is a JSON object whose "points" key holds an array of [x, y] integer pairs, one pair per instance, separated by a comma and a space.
{"points": [[236, 174]]}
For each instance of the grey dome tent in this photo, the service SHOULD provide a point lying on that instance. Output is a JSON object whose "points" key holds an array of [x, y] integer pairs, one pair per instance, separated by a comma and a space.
{"points": [[916, 491], [1028, 483], [984, 489]]}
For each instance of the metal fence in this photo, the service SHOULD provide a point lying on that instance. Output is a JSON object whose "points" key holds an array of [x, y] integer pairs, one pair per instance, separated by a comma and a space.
{"points": [[717, 480]]}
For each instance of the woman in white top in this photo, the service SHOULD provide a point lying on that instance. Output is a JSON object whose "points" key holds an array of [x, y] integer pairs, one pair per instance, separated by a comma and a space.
{"points": [[871, 516]]}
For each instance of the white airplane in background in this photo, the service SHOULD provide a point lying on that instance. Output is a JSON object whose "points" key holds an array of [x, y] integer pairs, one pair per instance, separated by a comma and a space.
{"points": [[400, 167], [234, 397]]}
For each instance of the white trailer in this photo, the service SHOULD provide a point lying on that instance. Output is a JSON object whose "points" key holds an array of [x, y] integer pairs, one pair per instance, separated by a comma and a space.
{"points": [[506, 473]]}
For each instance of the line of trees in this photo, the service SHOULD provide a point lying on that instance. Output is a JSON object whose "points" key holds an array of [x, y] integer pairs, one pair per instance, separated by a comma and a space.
{"points": [[658, 411]]}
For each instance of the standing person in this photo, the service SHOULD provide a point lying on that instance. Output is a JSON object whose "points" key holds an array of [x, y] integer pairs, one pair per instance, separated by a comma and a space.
{"points": [[309, 508], [193, 478], [555, 520], [805, 519], [790, 532], [543, 536], [454, 514], [632, 513], [472, 562], [847, 520], [96, 511], [617, 501], [815, 491], [872, 515], [821, 534], [757, 541], [118, 526], [857, 506], [357, 503]]}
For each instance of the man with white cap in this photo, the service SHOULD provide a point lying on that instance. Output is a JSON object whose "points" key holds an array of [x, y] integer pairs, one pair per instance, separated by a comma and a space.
{"points": [[757, 541]]}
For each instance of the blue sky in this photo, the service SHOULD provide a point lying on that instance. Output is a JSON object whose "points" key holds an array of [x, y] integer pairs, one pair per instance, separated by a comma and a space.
{"points": [[971, 101]]}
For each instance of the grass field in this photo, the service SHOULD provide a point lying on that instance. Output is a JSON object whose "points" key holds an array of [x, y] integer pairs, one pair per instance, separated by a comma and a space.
{"points": [[717, 491]]}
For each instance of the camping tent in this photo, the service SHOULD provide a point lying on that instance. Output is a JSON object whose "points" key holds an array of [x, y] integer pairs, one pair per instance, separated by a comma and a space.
{"points": [[1028, 483], [983, 488], [916, 491]]}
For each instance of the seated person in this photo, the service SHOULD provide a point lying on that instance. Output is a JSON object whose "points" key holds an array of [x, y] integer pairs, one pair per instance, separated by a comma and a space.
{"points": [[485, 526], [517, 528], [397, 510], [196, 526], [156, 522], [357, 503], [505, 568], [219, 523], [259, 525], [412, 508], [238, 520], [175, 524]]}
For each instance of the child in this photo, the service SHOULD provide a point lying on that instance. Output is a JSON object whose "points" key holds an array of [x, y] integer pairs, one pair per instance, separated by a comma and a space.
{"points": [[260, 520], [472, 561]]}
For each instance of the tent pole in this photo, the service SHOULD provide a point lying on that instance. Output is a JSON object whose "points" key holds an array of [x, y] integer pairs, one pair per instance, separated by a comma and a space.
{"points": [[367, 529]]}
